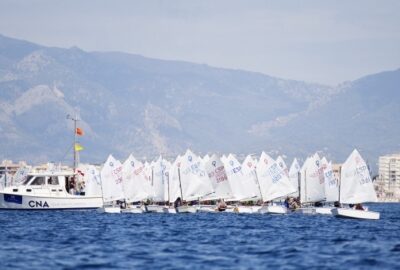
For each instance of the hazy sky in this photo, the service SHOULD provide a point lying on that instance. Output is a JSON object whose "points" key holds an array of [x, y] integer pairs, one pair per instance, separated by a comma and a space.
{"points": [[319, 41]]}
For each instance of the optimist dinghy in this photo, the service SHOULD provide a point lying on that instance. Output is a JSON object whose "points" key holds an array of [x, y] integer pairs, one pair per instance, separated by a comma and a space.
{"points": [[274, 183], [355, 188]]}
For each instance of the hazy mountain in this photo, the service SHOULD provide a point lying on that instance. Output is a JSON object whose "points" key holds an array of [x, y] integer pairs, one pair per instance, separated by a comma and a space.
{"points": [[129, 103]]}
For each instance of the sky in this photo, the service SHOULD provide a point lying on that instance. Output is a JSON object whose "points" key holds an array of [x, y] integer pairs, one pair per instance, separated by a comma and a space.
{"points": [[327, 41]]}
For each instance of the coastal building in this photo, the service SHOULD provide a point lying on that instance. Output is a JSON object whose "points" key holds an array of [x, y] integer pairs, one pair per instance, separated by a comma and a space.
{"points": [[387, 184], [10, 167]]}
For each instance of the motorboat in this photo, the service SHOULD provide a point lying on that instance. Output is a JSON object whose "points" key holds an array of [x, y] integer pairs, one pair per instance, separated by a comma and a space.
{"points": [[47, 191]]}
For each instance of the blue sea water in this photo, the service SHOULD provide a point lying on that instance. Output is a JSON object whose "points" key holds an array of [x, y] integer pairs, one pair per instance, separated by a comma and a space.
{"points": [[90, 240]]}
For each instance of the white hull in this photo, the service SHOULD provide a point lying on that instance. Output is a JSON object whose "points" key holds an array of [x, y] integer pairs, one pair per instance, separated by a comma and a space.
{"points": [[186, 209], [244, 209], [133, 210], [273, 209], [110, 210], [306, 211], [357, 214], [324, 210], [156, 208], [208, 209], [170, 210], [15, 201]]}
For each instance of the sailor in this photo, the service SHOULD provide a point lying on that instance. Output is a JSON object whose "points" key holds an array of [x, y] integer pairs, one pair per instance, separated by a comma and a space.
{"points": [[221, 206], [358, 206], [178, 202]]}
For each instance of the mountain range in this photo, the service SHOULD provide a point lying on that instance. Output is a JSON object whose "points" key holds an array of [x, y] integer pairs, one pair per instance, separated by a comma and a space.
{"points": [[132, 104]]}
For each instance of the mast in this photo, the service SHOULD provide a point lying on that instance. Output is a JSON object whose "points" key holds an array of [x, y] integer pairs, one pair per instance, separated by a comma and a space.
{"points": [[305, 185], [75, 120], [259, 187], [180, 183], [299, 183], [340, 180]]}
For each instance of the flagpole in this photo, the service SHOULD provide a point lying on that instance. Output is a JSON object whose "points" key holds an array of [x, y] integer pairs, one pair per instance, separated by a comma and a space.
{"points": [[75, 119]]}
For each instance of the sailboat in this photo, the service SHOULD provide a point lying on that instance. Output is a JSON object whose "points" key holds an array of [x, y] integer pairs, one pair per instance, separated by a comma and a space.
{"points": [[194, 183], [312, 187], [240, 185], [274, 183], [158, 181], [111, 185], [356, 187], [249, 172], [331, 188], [136, 185], [219, 180], [294, 177]]}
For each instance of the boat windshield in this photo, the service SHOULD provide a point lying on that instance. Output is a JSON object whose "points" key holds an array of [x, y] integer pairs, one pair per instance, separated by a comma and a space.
{"points": [[53, 180], [38, 181], [27, 180]]}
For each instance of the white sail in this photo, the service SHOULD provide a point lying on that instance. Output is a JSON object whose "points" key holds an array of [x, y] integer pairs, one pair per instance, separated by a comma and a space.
{"points": [[135, 181], [274, 182], [282, 165], [167, 165], [249, 171], [174, 190], [111, 180], [331, 184], [216, 172], [194, 181], [158, 175], [206, 158], [236, 178], [312, 181], [92, 181], [294, 176], [356, 184]]}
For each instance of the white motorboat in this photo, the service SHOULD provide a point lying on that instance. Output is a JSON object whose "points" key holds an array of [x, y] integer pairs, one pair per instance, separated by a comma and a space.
{"points": [[353, 213], [46, 191]]}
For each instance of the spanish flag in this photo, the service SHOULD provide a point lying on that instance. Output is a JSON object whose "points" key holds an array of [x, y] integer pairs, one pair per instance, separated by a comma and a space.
{"points": [[79, 131], [78, 147]]}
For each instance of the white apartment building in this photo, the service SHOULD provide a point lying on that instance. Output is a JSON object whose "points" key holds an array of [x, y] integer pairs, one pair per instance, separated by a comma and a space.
{"points": [[388, 183]]}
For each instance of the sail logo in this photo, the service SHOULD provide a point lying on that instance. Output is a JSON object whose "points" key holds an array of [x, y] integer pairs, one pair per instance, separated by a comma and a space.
{"points": [[214, 163], [231, 162], [111, 164], [132, 163], [38, 204], [190, 158], [249, 164]]}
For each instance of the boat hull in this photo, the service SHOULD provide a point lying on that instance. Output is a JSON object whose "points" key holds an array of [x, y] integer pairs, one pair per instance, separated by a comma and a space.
{"points": [[324, 210], [306, 211], [355, 214], [244, 209], [273, 209], [156, 208], [186, 209], [110, 210], [11, 201]]}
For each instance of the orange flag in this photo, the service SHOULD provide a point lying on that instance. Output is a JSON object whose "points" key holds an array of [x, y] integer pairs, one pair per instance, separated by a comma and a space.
{"points": [[79, 131]]}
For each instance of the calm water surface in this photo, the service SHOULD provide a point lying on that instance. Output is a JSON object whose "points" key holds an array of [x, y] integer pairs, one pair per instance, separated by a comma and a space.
{"points": [[90, 240]]}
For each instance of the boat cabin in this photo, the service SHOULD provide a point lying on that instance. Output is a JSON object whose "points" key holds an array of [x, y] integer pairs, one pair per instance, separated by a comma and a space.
{"points": [[47, 183]]}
